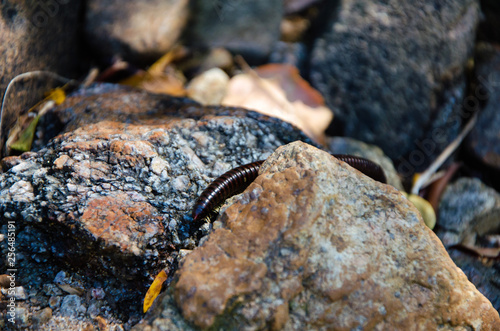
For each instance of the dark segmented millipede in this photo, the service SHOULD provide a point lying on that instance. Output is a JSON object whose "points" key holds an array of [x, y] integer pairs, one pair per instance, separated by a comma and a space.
{"points": [[238, 179]]}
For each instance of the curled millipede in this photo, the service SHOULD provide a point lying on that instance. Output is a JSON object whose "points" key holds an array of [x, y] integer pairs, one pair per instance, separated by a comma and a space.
{"points": [[238, 179]]}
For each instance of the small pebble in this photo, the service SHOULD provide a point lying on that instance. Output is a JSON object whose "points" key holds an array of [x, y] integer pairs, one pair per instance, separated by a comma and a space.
{"points": [[22, 316], [42, 316], [60, 278], [72, 306], [98, 293], [54, 301], [209, 88]]}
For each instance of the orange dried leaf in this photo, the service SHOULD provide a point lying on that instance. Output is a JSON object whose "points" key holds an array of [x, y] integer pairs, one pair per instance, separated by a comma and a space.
{"points": [[284, 95], [154, 290], [295, 87]]}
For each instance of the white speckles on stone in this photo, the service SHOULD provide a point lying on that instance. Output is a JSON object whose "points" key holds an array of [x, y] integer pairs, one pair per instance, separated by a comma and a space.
{"points": [[24, 167], [201, 138], [158, 165], [195, 161], [135, 196], [40, 173], [71, 187], [22, 191], [181, 183]]}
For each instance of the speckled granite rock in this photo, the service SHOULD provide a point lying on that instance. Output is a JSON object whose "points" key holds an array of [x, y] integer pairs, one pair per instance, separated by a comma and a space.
{"points": [[393, 72], [111, 197], [139, 31], [311, 244]]}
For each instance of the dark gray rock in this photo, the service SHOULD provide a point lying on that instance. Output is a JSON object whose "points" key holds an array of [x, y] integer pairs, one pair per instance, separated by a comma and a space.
{"points": [[468, 209], [393, 72], [484, 139], [246, 27]]}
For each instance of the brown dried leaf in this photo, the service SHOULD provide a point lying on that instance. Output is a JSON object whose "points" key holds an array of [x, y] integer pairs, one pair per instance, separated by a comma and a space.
{"points": [[161, 77], [491, 252], [282, 94]]}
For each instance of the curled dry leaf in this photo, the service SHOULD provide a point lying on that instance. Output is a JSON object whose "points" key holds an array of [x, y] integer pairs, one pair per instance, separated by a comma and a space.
{"points": [[154, 290], [278, 90]]}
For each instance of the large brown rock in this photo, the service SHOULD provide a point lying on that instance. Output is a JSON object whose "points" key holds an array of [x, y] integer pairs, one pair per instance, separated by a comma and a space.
{"points": [[137, 30], [314, 244]]}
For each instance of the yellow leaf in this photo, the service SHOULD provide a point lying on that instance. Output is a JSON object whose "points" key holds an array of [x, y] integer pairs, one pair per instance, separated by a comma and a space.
{"points": [[425, 209], [154, 290], [57, 94]]}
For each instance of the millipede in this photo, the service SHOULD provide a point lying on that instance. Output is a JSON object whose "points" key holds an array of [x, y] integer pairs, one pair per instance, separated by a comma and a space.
{"points": [[238, 179]]}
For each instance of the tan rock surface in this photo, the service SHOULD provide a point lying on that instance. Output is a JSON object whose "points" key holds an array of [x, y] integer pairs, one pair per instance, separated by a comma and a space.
{"points": [[313, 244]]}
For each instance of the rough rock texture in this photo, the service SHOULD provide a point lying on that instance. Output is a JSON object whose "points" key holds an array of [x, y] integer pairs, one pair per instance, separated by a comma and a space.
{"points": [[111, 198], [35, 35], [139, 31], [484, 140], [311, 244], [344, 145], [393, 71], [246, 27], [468, 208]]}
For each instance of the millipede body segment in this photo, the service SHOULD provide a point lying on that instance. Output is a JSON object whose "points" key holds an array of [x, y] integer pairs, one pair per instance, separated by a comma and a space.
{"points": [[238, 179]]}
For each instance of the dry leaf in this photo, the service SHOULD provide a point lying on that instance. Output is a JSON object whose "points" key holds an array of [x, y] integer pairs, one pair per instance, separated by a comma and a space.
{"points": [[282, 94], [161, 77], [491, 252], [154, 290]]}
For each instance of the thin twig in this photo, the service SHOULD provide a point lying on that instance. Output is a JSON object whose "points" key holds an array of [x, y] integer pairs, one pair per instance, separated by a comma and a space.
{"points": [[445, 154]]}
